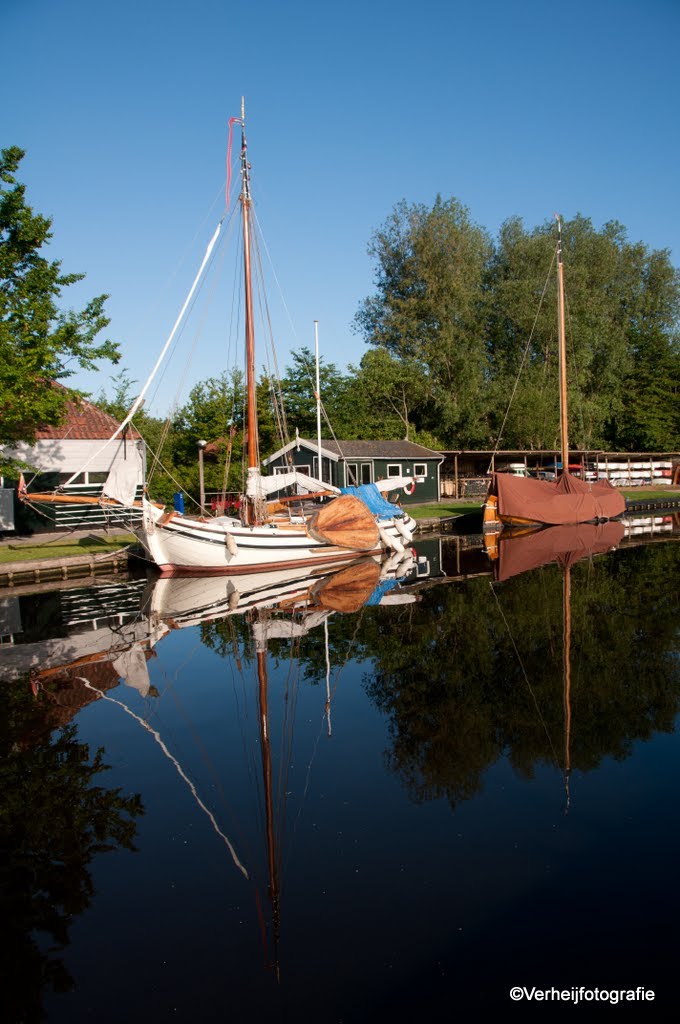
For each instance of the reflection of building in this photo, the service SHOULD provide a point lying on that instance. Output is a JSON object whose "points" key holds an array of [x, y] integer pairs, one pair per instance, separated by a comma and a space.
{"points": [[348, 463], [61, 640]]}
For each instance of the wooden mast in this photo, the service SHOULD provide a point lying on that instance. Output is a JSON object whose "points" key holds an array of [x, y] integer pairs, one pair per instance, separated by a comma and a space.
{"points": [[564, 418], [251, 383]]}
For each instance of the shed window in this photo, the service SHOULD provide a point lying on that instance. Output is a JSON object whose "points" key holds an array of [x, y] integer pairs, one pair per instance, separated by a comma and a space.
{"points": [[366, 473], [394, 469], [420, 469]]}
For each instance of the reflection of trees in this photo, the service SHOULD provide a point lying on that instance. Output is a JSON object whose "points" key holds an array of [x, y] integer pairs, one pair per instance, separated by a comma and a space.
{"points": [[479, 674], [53, 820], [472, 673]]}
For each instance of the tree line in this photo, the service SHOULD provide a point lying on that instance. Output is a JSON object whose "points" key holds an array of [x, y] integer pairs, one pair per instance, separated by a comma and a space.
{"points": [[457, 324]]}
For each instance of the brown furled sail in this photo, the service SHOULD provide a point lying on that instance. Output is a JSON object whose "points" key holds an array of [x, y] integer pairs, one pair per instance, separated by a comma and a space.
{"points": [[555, 502], [348, 590], [345, 523]]}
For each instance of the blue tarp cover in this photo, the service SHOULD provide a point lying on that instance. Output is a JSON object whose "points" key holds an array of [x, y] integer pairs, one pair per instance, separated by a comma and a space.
{"points": [[373, 499], [383, 588]]}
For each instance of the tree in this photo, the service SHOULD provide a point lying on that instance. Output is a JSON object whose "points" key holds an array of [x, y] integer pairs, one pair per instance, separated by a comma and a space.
{"points": [[298, 388], [429, 310], [39, 342], [622, 314], [390, 396], [650, 420]]}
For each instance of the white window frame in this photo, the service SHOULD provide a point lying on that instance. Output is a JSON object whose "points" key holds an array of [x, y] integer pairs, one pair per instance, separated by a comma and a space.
{"points": [[393, 469]]}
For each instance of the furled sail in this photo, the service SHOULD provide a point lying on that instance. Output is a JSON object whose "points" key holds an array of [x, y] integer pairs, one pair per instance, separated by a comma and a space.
{"points": [[260, 486], [125, 476]]}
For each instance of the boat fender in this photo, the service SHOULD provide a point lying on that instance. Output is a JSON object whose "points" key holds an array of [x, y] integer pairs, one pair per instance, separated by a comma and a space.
{"points": [[231, 544], [393, 543], [403, 529]]}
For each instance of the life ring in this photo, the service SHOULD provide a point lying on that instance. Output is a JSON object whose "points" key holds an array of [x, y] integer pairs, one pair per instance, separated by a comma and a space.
{"points": [[410, 492]]}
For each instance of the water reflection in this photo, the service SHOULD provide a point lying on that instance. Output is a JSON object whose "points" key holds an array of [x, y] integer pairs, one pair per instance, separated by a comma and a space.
{"points": [[309, 749], [57, 818]]}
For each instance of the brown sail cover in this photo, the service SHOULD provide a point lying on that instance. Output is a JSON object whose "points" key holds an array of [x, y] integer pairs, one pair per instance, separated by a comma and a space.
{"points": [[347, 590], [553, 502], [346, 523], [562, 544]]}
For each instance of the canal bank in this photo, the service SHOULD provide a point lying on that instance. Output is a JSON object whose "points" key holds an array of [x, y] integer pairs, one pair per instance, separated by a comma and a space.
{"points": [[50, 567]]}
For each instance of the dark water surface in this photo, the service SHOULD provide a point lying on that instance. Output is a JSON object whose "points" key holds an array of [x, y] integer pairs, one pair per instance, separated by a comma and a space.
{"points": [[492, 804]]}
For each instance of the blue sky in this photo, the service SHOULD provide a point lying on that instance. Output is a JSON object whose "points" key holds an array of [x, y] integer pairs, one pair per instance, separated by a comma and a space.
{"points": [[515, 108]]}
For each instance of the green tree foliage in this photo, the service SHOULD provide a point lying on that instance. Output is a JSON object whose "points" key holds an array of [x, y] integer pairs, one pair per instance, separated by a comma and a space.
{"points": [[214, 412], [429, 310], [298, 388], [463, 316], [389, 396], [39, 342], [622, 308], [650, 419]]}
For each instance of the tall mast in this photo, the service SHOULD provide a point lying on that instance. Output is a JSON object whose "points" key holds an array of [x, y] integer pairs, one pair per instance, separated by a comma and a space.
{"points": [[564, 420], [318, 398], [246, 202]]}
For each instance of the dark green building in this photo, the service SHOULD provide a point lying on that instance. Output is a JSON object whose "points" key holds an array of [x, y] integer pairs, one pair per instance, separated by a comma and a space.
{"points": [[347, 463]]}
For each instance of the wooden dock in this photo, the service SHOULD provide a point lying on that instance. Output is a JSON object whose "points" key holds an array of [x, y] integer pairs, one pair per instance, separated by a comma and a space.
{"points": [[51, 570]]}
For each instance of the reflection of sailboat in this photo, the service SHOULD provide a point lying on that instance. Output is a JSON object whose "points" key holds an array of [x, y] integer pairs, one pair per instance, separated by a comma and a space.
{"points": [[518, 501], [268, 535], [284, 605], [513, 554], [120, 626], [280, 605]]}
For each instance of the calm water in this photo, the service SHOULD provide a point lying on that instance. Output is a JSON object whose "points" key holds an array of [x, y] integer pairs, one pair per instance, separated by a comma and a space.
{"points": [[449, 797]]}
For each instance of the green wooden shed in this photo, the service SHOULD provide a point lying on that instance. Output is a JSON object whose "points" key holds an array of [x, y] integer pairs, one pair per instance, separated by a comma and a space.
{"points": [[347, 463]]}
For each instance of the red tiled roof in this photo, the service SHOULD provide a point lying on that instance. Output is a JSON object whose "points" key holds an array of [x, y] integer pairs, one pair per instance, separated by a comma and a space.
{"points": [[83, 422]]}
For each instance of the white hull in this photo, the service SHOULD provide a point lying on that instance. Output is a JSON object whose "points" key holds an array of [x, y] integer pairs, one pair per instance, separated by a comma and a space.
{"points": [[182, 545], [190, 600]]}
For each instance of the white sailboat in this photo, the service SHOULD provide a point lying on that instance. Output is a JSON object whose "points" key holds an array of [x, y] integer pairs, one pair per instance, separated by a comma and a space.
{"points": [[268, 535]]}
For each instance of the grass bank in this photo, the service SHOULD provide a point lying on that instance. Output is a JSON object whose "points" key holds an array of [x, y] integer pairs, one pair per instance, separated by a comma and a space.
{"points": [[442, 509], [32, 550]]}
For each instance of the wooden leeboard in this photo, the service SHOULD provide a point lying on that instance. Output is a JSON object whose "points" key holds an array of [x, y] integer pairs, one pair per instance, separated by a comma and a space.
{"points": [[346, 591], [345, 523]]}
